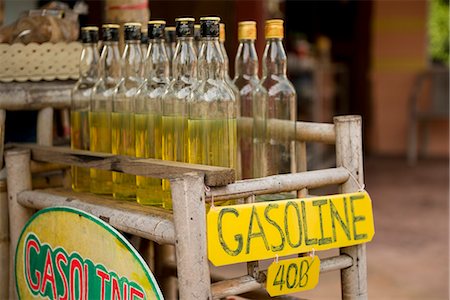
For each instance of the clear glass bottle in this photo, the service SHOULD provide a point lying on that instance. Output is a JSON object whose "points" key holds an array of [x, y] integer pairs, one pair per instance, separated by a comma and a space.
{"points": [[226, 62], [122, 120], [253, 103], [212, 111], [176, 98], [171, 42], [230, 83], [281, 101], [101, 105], [197, 38], [80, 101], [148, 112], [144, 41]]}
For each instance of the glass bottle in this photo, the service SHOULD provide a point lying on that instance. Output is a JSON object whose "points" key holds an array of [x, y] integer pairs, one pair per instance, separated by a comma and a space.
{"points": [[148, 112], [197, 39], [226, 62], [80, 98], [171, 42], [144, 41], [235, 90], [101, 105], [281, 101], [122, 120], [176, 98], [212, 111], [253, 103]]}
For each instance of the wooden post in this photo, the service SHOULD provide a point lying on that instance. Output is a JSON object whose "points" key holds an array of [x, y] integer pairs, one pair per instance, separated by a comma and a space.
{"points": [[44, 131], [4, 218], [189, 213], [18, 180], [349, 155], [302, 165], [4, 241]]}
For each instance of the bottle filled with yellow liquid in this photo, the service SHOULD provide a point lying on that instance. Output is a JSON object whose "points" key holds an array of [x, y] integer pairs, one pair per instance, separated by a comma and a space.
{"points": [[122, 117], [148, 112], [176, 98], [101, 106], [212, 112], [236, 93], [253, 103], [81, 95]]}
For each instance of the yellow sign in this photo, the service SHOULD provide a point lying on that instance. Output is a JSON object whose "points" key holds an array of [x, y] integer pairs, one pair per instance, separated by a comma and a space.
{"points": [[249, 232], [293, 275], [65, 253]]}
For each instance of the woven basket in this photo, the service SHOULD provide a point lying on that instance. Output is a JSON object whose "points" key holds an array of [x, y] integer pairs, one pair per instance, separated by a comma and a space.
{"points": [[37, 62]]}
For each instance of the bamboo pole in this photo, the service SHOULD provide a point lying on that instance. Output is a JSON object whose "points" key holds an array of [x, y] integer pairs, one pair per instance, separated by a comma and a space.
{"points": [[45, 126], [4, 241], [35, 95], [143, 221], [18, 180], [4, 218], [302, 166], [2, 135], [189, 213], [304, 131], [278, 183], [349, 155], [235, 286]]}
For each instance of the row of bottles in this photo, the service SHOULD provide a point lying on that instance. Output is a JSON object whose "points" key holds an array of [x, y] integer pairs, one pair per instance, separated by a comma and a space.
{"points": [[180, 104]]}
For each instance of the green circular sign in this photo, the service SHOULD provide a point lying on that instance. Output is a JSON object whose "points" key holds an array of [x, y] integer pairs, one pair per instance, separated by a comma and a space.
{"points": [[65, 253]]}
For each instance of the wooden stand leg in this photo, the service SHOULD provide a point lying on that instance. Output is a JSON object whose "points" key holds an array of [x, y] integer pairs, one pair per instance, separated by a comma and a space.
{"points": [[44, 129], [302, 166], [4, 242], [18, 180], [349, 155], [189, 212], [4, 219]]}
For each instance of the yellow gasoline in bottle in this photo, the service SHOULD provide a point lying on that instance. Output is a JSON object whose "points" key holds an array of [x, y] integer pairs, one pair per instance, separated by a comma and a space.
{"points": [[81, 95], [122, 119], [148, 112]]}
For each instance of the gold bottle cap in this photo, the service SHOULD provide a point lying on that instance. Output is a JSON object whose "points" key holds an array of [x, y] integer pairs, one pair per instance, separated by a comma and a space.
{"points": [[185, 19], [210, 19], [157, 22], [170, 28], [222, 32], [110, 26], [132, 24], [90, 28], [274, 29], [247, 30]]}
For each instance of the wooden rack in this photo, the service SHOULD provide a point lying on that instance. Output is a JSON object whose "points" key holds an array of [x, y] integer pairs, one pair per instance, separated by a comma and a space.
{"points": [[186, 226]]}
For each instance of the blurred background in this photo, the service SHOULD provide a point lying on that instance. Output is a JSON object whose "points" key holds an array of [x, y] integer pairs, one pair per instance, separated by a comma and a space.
{"points": [[384, 60]]}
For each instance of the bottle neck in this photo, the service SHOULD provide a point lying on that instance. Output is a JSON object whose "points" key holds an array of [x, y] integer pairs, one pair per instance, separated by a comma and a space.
{"points": [[157, 62], [246, 59], [132, 60], [110, 68], [211, 62], [226, 61], [89, 63], [184, 64], [274, 59]]}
